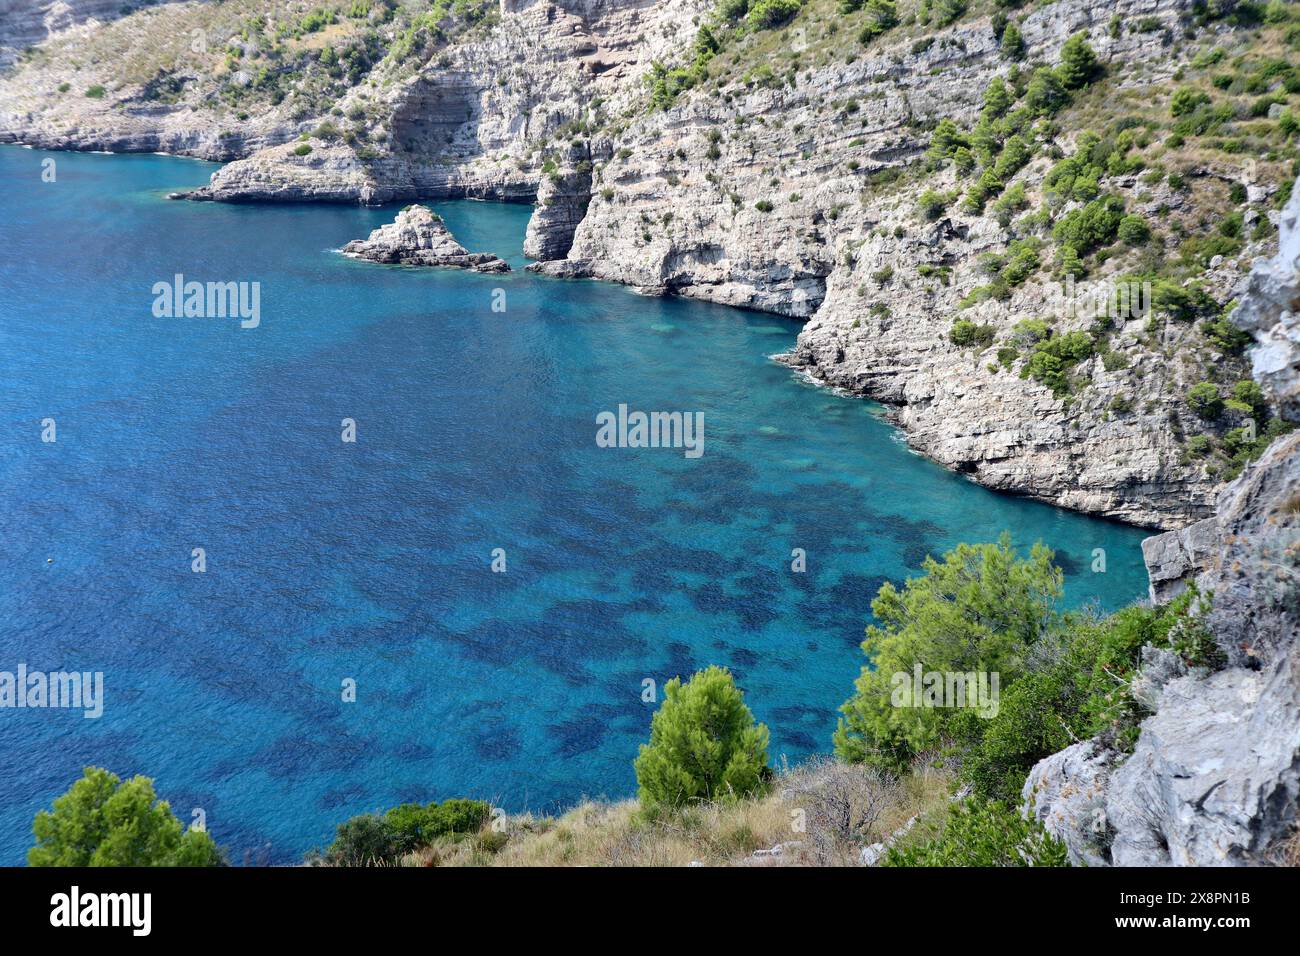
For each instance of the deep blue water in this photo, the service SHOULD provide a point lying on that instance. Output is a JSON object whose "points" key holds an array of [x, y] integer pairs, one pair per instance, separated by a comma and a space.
{"points": [[371, 561]]}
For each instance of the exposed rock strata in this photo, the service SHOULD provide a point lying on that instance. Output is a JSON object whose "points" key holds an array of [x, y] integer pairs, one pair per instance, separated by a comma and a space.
{"points": [[418, 237], [1215, 776]]}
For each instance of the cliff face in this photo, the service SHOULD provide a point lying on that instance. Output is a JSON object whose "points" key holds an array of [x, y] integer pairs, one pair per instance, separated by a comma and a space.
{"points": [[763, 198], [471, 121], [459, 118], [1215, 775]]}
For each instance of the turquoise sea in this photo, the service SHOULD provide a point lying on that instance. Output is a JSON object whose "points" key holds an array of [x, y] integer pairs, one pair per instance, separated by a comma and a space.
{"points": [[370, 561]]}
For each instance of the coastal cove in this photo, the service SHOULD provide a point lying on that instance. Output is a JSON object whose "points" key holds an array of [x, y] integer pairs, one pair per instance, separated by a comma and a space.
{"points": [[371, 561]]}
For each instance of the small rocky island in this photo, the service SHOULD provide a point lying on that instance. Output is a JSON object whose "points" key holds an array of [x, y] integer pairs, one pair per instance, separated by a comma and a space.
{"points": [[418, 237]]}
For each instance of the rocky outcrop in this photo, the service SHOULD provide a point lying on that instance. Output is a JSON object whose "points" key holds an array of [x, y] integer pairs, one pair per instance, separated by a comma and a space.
{"points": [[418, 237], [1214, 778], [562, 200], [1270, 311], [1173, 558]]}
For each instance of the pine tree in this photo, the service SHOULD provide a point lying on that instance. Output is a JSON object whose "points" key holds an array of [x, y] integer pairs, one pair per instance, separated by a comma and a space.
{"points": [[105, 821], [704, 744], [1013, 44], [1079, 64], [1069, 262], [944, 140], [882, 15]]}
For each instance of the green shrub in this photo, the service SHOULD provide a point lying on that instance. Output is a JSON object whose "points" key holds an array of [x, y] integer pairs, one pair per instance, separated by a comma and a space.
{"points": [[415, 826], [997, 99], [1053, 357], [1203, 397], [1198, 446], [1037, 716], [947, 11], [766, 14], [1288, 124], [1045, 93], [1069, 264], [1010, 203], [95, 92], [1015, 154], [945, 140], [1021, 263], [881, 16], [763, 205], [1277, 12], [965, 333], [317, 20], [1225, 336], [1027, 333], [983, 833], [302, 149], [1249, 394], [1183, 303], [704, 744], [933, 203], [364, 840], [105, 821], [1134, 231], [1090, 226], [1185, 100], [1244, 451]]}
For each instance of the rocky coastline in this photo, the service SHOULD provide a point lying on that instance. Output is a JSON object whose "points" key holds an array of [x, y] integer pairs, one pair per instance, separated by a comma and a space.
{"points": [[763, 194]]}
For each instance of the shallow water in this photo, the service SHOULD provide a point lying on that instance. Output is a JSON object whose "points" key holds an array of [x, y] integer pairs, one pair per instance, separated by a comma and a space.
{"points": [[371, 560]]}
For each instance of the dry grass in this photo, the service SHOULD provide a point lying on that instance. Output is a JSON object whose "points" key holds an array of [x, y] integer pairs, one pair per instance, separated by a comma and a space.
{"points": [[822, 813], [1286, 852]]}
